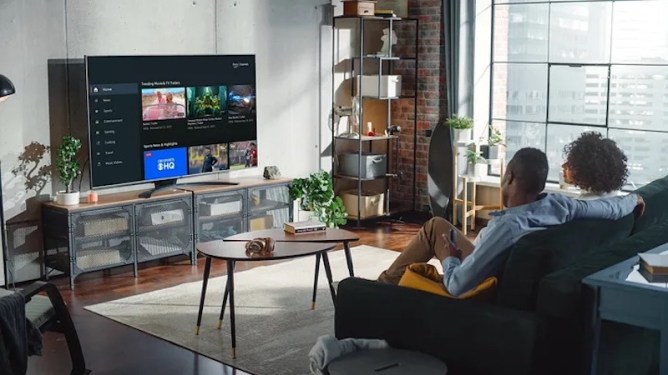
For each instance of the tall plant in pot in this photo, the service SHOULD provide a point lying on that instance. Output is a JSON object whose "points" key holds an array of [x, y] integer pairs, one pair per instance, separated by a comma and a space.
{"points": [[461, 128], [477, 165], [316, 194], [68, 169]]}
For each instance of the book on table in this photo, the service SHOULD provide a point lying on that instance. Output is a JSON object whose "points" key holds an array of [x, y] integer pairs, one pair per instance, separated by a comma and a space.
{"points": [[654, 265], [304, 227]]}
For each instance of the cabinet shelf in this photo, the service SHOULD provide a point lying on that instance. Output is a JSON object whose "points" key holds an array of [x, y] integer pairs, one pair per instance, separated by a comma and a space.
{"points": [[385, 58], [367, 138], [102, 237], [222, 217], [374, 18], [152, 228], [355, 178]]}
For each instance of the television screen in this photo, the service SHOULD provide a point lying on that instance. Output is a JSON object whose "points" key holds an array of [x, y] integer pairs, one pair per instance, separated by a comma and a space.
{"points": [[153, 118]]}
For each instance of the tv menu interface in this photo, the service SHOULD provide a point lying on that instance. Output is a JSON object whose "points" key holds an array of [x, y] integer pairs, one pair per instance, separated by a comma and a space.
{"points": [[163, 117]]}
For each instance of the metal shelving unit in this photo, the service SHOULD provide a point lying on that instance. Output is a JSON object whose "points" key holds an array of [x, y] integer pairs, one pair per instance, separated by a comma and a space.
{"points": [[357, 69]]}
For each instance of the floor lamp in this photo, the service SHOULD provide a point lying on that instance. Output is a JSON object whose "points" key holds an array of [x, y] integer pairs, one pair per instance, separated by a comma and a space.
{"points": [[6, 89]]}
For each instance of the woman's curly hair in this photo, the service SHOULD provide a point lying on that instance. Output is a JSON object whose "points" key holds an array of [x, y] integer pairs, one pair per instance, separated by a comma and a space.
{"points": [[596, 163]]}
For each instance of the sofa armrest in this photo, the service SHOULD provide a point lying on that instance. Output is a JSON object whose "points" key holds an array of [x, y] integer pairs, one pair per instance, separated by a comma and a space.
{"points": [[470, 337]]}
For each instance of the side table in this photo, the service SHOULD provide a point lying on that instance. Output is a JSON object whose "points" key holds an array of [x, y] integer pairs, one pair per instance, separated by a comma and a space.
{"points": [[621, 294]]}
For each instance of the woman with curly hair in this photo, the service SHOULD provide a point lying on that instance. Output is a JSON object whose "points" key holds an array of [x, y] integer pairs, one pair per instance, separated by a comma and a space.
{"points": [[596, 165]]}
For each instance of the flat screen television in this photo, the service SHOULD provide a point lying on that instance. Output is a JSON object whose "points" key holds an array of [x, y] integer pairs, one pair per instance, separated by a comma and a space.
{"points": [[159, 118]]}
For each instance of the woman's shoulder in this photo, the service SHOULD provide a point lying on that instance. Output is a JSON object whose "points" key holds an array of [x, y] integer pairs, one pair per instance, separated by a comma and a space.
{"points": [[588, 195]]}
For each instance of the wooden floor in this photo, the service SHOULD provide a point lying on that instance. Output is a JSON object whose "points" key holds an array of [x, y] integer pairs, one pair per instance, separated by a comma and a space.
{"points": [[113, 348]]}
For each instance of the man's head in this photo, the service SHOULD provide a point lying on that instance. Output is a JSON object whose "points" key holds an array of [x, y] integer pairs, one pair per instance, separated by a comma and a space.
{"points": [[207, 150], [525, 177]]}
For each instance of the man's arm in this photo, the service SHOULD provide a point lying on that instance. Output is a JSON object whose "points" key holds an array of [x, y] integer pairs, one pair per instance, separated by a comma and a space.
{"points": [[461, 276], [605, 208]]}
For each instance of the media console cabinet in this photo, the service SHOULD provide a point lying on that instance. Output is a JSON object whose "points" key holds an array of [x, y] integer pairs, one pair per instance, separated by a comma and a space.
{"points": [[124, 229]]}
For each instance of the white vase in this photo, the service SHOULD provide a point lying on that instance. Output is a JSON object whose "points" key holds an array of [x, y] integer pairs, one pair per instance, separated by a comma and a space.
{"points": [[67, 199], [462, 135]]}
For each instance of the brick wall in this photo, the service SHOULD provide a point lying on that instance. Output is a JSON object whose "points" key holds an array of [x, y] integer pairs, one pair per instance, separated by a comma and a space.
{"points": [[431, 100]]}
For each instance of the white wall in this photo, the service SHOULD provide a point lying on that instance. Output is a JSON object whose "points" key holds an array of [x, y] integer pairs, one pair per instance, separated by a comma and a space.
{"points": [[285, 36]]}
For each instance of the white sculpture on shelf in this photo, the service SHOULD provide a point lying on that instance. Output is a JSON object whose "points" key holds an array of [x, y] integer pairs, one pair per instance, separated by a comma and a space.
{"points": [[386, 48]]}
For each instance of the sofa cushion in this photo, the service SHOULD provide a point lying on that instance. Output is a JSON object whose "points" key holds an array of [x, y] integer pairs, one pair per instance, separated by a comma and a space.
{"points": [[547, 251], [425, 277], [560, 292], [655, 195]]}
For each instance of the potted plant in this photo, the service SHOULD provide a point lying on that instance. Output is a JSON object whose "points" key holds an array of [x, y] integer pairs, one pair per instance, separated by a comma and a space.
{"points": [[461, 128], [477, 165], [68, 169], [316, 195], [495, 141]]}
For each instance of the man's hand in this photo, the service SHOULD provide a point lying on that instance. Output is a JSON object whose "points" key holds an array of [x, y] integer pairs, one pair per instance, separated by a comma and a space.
{"points": [[640, 206], [452, 249]]}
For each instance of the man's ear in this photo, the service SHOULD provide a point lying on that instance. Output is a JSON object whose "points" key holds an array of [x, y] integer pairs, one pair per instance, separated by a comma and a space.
{"points": [[509, 177]]}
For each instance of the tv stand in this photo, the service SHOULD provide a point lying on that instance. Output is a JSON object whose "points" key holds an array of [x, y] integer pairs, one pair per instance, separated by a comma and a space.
{"points": [[172, 185]]}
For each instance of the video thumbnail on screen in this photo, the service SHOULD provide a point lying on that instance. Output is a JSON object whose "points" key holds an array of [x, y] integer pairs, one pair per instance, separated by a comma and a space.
{"points": [[163, 103], [243, 154], [206, 101], [207, 158], [241, 100]]}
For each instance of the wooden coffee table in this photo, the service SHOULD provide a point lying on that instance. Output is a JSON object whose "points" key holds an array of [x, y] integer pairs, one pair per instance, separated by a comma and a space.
{"points": [[333, 236], [233, 251]]}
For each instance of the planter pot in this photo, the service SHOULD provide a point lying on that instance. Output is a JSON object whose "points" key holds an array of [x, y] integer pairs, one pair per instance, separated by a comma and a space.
{"points": [[67, 199], [462, 135], [494, 152], [477, 170]]}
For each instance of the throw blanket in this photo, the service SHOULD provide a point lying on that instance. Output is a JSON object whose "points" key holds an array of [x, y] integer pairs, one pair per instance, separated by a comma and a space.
{"points": [[328, 348], [18, 336]]}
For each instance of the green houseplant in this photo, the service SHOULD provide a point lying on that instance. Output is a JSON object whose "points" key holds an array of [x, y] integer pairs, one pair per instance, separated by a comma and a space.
{"points": [[477, 165], [461, 127], [68, 169], [494, 141], [316, 194]]}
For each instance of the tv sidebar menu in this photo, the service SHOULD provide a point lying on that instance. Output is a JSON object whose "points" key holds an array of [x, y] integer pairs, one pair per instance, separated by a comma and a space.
{"points": [[114, 137]]}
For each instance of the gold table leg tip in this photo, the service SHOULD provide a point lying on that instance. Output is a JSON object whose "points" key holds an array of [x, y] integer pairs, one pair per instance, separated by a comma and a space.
{"points": [[312, 305], [220, 324], [197, 332], [234, 353]]}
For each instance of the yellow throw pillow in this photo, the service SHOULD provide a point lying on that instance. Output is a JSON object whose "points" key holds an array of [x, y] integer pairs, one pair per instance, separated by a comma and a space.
{"points": [[425, 277]]}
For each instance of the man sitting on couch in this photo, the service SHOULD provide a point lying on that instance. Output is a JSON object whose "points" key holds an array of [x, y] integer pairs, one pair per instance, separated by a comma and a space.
{"points": [[527, 211]]}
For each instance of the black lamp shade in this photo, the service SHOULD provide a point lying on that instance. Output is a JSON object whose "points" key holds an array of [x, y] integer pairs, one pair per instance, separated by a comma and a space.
{"points": [[6, 87]]}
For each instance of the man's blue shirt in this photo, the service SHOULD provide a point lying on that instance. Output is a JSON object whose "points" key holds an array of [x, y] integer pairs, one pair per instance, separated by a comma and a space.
{"points": [[507, 226]]}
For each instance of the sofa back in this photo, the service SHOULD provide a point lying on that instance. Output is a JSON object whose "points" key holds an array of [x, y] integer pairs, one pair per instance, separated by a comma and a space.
{"points": [[541, 253]]}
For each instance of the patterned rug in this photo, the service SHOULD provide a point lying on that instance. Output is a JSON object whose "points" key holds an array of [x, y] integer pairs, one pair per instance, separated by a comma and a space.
{"points": [[275, 325]]}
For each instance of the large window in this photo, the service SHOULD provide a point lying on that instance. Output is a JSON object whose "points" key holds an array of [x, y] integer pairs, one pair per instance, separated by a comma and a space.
{"points": [[560, 68]]}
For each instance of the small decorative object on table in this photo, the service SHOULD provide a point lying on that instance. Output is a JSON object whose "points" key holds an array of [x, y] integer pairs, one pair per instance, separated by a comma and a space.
{"points": [[271, 172], [304, 227], [261, 246], [92, 196]]}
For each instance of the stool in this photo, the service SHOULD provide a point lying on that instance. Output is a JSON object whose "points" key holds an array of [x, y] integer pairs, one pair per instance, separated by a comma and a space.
{"points": [[387, 362]]}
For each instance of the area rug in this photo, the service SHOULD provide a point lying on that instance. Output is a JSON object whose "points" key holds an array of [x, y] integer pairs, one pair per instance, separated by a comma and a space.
{"points": [[274, 322]]}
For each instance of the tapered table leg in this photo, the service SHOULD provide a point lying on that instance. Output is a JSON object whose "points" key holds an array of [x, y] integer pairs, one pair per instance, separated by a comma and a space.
{"points": [[328, 272], [230, 283], [349, 258], [222, 308], [315, 282], [205, 281]]}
